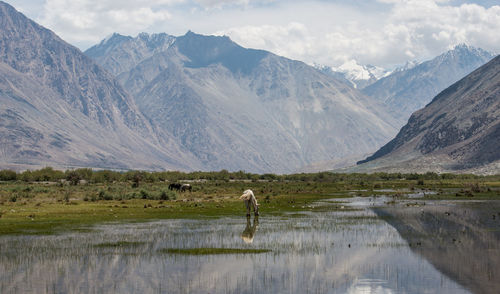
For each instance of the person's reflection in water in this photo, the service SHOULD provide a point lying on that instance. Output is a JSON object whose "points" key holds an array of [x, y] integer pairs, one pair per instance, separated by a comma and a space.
{"points": [[249, 232]]}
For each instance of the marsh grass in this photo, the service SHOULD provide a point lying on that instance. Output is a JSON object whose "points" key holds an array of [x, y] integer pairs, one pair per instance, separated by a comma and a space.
{"points": [[119, 244], [51, 207], [212, 251]]}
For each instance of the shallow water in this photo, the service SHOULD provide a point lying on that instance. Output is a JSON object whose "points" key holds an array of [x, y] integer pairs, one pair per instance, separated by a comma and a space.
{"points": [[339, 251]]}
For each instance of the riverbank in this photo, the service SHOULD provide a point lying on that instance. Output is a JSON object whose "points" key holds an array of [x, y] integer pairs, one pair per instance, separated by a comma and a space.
{"points": [[50, 207]]}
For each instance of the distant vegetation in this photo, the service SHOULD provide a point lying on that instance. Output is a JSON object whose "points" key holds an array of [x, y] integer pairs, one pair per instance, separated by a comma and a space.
{"points": [[74, 177]]}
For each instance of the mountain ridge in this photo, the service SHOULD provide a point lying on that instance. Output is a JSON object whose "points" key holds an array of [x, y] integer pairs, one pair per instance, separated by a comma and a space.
{"points": [[248, 107], [406, 91], [458, 130], [60, 108]]}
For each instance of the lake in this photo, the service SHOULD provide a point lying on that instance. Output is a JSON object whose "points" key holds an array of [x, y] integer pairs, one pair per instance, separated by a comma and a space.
{"points": [[352, 245]]}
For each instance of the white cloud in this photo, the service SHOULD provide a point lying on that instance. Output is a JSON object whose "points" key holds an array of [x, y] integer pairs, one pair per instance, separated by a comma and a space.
{"points": [[331, 32], [225, 3], [410, 29], [295, 35], [88, 20], [220, 3]]}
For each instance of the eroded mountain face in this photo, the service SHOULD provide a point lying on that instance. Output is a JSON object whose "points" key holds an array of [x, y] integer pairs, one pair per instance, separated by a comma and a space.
{"points": [[241, 108], [459, 129], [408, 90], [59, 108]]}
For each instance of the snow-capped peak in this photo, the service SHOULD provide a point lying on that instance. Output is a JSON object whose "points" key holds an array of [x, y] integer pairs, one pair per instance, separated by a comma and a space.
{"points": [[358, 75], [355, 71]]}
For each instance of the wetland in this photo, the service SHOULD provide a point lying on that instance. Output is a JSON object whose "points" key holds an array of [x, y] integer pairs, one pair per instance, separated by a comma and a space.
{"points": [[316, 234]]}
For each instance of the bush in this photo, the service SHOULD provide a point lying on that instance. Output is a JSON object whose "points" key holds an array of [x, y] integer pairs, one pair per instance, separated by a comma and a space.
{"points": [[105, 176], [67, 194], [8, 175], [168, 195], [47, 174], [104, 196], [73, 177], [474, 187]]}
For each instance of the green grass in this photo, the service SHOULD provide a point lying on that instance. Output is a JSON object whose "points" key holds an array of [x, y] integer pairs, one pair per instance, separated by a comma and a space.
{"points": [[212, 251], [50, 208]]}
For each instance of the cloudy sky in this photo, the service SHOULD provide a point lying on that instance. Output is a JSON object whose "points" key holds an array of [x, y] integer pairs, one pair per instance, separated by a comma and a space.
{"points": [[384, 33]]}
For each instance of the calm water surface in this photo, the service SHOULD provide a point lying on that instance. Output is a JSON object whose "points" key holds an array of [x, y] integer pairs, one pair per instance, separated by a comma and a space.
{"points": [[366, 247]]}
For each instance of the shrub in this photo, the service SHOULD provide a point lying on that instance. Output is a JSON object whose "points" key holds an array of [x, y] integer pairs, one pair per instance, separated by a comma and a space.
{"points": [[66, 196], [474, 187], [104, 196], [164, 196], [168, 195], [47, 174], [73, 177], [105, 176], [8, 175]]}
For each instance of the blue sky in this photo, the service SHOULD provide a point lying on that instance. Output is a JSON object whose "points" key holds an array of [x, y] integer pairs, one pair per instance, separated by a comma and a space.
{"points": [[384, 33]]}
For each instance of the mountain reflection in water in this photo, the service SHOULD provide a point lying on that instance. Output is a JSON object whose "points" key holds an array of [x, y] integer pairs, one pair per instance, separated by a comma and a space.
{"points": [[333, 251], [460, 239]]}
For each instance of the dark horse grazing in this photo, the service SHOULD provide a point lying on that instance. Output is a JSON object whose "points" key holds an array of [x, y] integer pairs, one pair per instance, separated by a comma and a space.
{"points": [[174, 186], [180, 187]]}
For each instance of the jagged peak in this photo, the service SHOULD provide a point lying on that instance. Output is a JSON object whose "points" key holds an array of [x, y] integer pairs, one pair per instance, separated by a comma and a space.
{"points": [[192, 35], [407, 66], [112, 37], [466, 48], [462, 46]]}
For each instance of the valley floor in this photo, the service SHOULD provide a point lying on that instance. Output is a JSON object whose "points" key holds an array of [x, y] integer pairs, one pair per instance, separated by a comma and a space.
{"points": [[46, 207]]}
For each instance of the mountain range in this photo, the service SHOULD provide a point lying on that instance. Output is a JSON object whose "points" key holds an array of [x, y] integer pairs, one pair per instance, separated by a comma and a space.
{"points": [[163, 102], [195, 102], [458, 131], [60, 108], [410, 88], [235, 108]]}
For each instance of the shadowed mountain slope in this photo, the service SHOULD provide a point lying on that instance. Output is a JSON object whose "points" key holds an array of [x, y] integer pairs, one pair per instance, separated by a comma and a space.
{"points": [[407, 90], [458, 130]]}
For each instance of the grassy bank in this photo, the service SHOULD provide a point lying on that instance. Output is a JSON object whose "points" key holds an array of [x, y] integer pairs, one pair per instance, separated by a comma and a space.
{"points": [[47, 207]]}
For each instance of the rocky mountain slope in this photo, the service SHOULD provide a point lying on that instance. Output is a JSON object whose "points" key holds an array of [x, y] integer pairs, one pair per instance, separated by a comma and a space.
{"points": [[60, 108], [458, 131], [407, 90], [239, 108], [120, 54]]}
